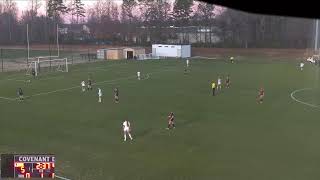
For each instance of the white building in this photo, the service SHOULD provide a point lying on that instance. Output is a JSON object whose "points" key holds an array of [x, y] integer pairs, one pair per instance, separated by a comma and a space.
{"points": [[168, 50]]}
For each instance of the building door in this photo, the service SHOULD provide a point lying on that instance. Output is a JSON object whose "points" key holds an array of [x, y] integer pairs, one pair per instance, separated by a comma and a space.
{"points": [[129, 54], [178, 52]]}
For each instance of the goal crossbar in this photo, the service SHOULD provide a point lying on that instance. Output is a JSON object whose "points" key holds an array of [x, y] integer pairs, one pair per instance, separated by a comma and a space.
{"points": [[36, 65]]}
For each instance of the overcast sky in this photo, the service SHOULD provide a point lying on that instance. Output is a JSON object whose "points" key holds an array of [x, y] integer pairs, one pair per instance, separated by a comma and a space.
{"points": [[24, 4]]}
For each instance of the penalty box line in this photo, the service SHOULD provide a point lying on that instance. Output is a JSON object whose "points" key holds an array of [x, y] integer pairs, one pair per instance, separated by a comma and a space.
{"points": [[66, 89]]}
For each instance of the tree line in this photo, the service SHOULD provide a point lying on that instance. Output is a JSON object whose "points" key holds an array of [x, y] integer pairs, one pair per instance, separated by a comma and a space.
{"points": [[142, 22]]}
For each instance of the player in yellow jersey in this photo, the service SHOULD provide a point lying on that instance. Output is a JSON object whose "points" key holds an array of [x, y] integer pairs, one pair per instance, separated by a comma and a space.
{"points": [[213, 86]]}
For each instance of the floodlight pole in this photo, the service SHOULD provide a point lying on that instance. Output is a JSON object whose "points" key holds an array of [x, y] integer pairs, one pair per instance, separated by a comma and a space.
{"points": [[316, 38], [28, 42], [58, 40], [1, 59]]}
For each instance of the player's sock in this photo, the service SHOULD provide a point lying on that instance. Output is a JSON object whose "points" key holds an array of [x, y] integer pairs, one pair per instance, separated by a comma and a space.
{"points": [[125, 137], [130, 136]]}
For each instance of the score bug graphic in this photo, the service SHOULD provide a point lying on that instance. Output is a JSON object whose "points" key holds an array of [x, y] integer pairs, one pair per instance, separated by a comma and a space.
{"points": [[28, 165]]}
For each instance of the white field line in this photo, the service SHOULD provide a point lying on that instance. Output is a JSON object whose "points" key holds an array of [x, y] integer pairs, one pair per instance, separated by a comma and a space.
{"points": [[66, 89], [10, 99], [60, 177], [297, 100]]}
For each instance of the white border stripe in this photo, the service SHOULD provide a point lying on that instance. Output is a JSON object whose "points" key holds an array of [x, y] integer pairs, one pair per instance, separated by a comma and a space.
{"points": [[60, 177], [66, 89], [10, 99], [297, 100]]}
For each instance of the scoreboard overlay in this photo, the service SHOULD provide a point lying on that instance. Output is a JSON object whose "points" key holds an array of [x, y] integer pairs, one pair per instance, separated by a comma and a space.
{"points": [[28, 166]]}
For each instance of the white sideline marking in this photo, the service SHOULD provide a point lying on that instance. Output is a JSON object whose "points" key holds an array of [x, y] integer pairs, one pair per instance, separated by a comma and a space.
{"points": [[10, 99], [60, 177], [66, 89], [297, 100]]}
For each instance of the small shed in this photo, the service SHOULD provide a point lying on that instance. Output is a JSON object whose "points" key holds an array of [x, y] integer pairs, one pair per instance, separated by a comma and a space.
{"points": [[133, 52], [114, 54], [168, 50]]}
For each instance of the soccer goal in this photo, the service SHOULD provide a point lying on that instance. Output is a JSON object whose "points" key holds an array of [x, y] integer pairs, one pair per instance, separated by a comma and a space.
{"points": [[146, 56], [45, 66]]}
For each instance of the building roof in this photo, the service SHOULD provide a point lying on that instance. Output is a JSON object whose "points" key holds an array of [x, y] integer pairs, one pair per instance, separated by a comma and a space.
{"points": [[122, 48]]}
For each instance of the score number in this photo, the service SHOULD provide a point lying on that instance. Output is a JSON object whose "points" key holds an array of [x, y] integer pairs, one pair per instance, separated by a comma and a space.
{"points": [[43, 166]]}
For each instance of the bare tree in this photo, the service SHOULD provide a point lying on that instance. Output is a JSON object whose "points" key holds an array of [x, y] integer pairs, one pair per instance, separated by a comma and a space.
{"points": [[77, 9]]}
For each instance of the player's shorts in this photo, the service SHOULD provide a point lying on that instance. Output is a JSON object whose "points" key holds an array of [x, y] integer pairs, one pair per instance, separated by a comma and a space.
{"points": [[116, 97], [261, 96], [126, 129]]}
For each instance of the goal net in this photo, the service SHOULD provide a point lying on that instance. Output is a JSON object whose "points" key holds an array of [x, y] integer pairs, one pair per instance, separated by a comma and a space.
{"points": [[42, 66], [146, 56]]}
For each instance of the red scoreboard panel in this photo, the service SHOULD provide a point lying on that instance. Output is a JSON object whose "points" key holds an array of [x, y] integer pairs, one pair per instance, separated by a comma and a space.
{"points": [[28, 165]]}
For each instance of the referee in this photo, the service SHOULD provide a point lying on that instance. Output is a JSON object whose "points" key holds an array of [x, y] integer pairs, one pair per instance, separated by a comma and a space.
{"points": [[213, 86]]}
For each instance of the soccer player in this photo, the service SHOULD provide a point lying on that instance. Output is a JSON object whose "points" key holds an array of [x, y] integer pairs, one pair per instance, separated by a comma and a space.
{"points": [[99, 95], [213, 86], [116, 95], [83, 86], [171, 121], [138, 75], [89, 84], [219, 83], [228, 81], [232, 59], [33, 72], [261, 95], [126, 129], [187, 62], [301, 65], [20, 94]]}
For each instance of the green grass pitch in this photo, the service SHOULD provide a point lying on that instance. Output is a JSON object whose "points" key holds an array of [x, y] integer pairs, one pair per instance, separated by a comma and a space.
{"points": [[226, 137]]}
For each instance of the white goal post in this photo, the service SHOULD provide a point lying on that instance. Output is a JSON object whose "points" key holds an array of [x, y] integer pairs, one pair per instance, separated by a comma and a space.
{"points": [[40, 66]]}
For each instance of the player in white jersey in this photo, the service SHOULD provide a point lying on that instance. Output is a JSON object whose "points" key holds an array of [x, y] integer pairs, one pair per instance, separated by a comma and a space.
{"points": [[83, 86], [301, 65], [138, 75], [99, 95], [126, 130], [187, 62], [219, 86]]}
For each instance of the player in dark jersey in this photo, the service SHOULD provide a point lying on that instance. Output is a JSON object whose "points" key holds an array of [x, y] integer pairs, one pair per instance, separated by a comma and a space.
{"points": [[171, 121], [33, 72], [116, 95], [20, 94], [228, 81], [89, 84], [261, 95], [185, 70]]}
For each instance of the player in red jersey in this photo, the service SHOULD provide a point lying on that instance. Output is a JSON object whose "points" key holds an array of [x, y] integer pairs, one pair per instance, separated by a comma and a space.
{"points": [[228, 81], [261, 95], [171, 121]]}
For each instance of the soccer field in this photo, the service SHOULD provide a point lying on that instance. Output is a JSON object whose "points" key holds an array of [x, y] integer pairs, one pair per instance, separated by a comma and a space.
{"points": [[227, 137]]}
